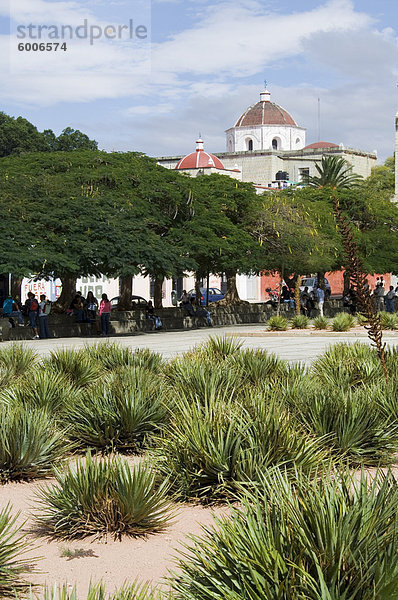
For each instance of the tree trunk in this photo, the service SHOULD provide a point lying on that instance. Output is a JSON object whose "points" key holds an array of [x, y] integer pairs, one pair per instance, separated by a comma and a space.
{"points": [[197, 288], [232, 296], [68, 291], [297, 295], [126, 286], [321, 279], [157, 293], [16, 283], [346, 279]]}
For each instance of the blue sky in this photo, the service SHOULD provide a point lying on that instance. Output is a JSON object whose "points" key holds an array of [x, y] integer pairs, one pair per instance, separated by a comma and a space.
{"points": [[202, 64]]}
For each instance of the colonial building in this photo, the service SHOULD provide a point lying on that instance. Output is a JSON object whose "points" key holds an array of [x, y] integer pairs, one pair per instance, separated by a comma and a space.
{"points": [[268, 148]]}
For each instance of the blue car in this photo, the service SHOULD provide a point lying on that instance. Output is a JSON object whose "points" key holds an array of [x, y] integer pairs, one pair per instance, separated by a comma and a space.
{"points": [[214, 295]]}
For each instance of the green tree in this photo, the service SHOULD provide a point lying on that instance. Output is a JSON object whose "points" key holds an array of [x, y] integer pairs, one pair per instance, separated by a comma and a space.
{"points": [[334, 171]]}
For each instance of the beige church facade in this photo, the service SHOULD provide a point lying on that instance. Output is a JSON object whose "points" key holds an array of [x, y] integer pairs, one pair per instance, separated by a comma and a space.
{"points": [[268, 148]]}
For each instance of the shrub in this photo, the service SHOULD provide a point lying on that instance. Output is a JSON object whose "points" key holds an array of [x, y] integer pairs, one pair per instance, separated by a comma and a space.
{"points": [[361, 319], [210, 446], [278, 323], [18, 360], [299, 322], [75, 365], [101, 497], [135, 591], [30, 445], [44, 389], [330, 537], [388, 320], [112, 356], [12, 546], [120, 413], [320, 322], [347, 365], [257, 366], [218, 348], [352, 421], [343, 322]]}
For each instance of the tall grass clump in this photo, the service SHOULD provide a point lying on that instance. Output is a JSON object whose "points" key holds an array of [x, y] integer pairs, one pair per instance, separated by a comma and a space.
{"points": [[299, 322], [18, 360], [12, 547], [75, 365], [255, 367], [388, 320], [220, 347], [343, 322], [111, 356], [278, 323], [352, 422], [320, 322], [43, 389], [101, 498], [323, 538], [134, 591], [120, 413], [30, 444], [209, 447], [347, 365]]}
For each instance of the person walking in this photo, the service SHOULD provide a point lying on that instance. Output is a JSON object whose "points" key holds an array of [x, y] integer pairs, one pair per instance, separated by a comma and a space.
{"points": [[320, 298], [44, 311], [389, 299], [105, 314]]}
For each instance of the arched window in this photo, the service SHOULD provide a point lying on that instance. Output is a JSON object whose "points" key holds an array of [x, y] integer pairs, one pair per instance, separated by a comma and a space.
{"points": [[298, 141], [274, 144], [249, 145]]}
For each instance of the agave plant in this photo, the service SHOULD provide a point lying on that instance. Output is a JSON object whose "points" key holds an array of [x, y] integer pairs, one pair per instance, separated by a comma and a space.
{"points": [[44, 389], [343, 322], [347, 365], [18, 360], [257, 366], [134, 591], [219, 347], [12, 547], [278, 323], [103, 497], [30, 444], [320, 322], [75, 365], [352, 421], [388, 320], [321, 538], [299, 322], [120, 413]]}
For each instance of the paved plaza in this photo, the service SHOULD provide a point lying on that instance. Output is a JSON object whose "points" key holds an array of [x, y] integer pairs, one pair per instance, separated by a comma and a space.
{"points": [[295, 346]]}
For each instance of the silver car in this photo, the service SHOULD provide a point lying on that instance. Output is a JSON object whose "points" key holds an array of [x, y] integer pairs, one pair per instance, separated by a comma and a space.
{"points": [[312, 284]]}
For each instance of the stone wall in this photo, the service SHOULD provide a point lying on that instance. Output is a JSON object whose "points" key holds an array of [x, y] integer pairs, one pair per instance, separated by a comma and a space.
{"points": [[134, 322]]}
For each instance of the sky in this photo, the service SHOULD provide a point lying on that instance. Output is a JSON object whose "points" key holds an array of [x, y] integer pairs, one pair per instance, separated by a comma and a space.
{"points": [[182, 67]]}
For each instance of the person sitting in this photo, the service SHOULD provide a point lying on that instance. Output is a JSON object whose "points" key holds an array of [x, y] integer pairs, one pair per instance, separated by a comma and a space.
{"points": [[77, 307], [201, 311], [186, 303], [349, 301], [150, 314], [11, 309], [287, 296]]}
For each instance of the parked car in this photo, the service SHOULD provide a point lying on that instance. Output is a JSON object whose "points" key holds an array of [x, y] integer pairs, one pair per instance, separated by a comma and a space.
{"points": [[214, 295], [137, 302], [312, 284]]}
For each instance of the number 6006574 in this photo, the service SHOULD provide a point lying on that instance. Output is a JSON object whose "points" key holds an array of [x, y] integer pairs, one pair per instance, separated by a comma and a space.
{"points": [[42, 47]]}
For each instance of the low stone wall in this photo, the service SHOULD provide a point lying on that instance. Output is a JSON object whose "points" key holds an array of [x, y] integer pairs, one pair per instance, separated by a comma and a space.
{"points": [[135, 322]]}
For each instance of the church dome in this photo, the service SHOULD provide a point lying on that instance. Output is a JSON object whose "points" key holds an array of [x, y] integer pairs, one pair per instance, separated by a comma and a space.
{"points": [[200, 159], [319, 145], [265, 112]]}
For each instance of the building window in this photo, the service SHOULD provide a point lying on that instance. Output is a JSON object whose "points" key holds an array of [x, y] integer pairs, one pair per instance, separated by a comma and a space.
{"points": [[298, 141], [304, 173], [274, 144], [249, 145]]}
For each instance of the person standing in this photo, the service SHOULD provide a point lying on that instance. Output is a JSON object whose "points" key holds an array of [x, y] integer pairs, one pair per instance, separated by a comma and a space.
{"points": [[320, 298], [44, 311], [105, 314], [389, 299], [32, 310]]}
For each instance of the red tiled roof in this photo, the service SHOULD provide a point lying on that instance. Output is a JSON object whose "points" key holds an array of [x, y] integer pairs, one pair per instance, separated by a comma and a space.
{"points": [[265, 113]]}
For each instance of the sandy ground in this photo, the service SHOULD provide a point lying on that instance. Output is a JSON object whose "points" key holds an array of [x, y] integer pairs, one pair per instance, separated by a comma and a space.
{"points": [[112, 562]]}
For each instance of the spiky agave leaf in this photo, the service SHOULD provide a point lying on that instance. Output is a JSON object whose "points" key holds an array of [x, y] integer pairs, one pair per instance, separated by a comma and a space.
{"points": [[19, 360], [75, 365], [12, 547]]}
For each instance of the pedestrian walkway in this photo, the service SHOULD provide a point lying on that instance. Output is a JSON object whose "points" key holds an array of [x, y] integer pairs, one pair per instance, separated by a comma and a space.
{"points": [[295, 346]]}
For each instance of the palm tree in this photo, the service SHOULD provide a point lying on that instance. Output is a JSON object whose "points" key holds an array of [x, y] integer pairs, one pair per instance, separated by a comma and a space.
{"points": [[335, 172]]}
